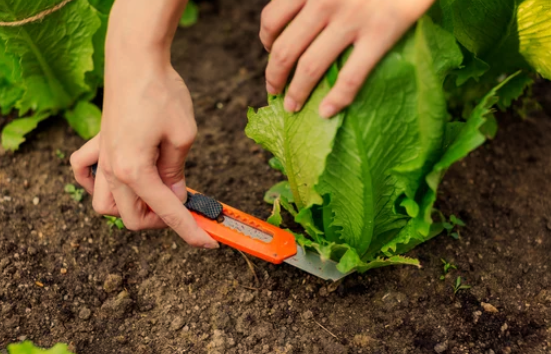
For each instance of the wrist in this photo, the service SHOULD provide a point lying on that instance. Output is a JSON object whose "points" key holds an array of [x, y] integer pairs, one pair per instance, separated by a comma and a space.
{"points": [[142, 31]]}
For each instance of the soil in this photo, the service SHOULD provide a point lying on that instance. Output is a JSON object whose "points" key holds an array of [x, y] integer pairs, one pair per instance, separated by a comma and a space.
{"points": [[66, 277]]}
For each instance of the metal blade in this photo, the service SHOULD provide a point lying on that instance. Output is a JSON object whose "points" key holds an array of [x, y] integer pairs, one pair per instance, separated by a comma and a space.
{"points": [[311, 262], [305, 260]]}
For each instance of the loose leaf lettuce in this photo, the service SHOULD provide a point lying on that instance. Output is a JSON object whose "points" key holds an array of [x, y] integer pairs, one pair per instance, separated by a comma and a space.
{"points": [[55, 53], [47, 66], [27, 347], [365, 187]]}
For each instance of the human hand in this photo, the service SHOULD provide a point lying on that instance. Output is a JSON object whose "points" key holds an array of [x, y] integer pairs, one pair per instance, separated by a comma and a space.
{"points": [[148, 127], [311, 34]]}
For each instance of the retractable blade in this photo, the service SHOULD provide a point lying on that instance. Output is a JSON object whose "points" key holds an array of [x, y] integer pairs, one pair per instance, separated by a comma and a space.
{"points": [[305, 260]]}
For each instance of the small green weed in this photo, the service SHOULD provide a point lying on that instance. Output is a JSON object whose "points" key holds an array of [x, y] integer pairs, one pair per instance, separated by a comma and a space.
{"points": [[447, 267], [459, 286], [453, 223], [60, 154], [113, 221], [76, 193]]}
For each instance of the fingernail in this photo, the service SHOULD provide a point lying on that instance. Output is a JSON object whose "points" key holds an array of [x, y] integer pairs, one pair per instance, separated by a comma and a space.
{"points": [[179, 188], [327, 110], [271, 90], [291, 105], [211, 246]]}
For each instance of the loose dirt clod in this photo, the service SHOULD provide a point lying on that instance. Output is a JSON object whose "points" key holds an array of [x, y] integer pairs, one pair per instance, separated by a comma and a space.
{"points": [[441, 347], [117, 307], [84, 313], [362, 341], [112, 282], [177, 323]]}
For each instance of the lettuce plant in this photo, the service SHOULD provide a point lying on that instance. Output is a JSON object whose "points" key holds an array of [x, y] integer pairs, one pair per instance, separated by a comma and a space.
{"points": [[28, 347], [52, 66], [363, 184]]}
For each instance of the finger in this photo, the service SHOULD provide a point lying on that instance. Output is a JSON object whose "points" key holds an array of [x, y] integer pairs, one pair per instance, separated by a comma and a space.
{"points": [[363, 59], [82, 159], [102, 200], [313, 64], [275, 16], [151, 189], [290, 45], [135, 214], [170, 165]]}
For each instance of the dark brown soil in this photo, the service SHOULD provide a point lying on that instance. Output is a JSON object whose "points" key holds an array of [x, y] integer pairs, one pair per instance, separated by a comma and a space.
{"points": [[66, 277]]}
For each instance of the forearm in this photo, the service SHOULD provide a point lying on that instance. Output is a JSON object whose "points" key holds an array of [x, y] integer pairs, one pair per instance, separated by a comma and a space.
{"points": [[143, 29]]}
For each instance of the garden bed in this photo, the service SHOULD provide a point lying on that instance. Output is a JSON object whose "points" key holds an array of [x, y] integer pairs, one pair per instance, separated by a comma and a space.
{"points": [[56, 254]]}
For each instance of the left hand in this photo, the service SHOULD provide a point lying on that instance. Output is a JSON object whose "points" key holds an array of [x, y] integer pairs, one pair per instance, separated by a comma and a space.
{"points": [[311, 34]]}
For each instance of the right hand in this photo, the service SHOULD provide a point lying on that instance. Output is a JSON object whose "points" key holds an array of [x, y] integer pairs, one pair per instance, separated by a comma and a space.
{"points": [[147, 129]]}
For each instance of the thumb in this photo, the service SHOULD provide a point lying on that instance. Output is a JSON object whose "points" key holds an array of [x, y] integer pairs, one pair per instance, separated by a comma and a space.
{"points": [[171, 164]]}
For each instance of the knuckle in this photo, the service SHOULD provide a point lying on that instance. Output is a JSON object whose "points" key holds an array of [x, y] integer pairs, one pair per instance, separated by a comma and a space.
{"points": [[172, 221], [105, 170], [124, 171], [184, 139], [281, 56], [182, 144], [324, 6], [309, 69]]}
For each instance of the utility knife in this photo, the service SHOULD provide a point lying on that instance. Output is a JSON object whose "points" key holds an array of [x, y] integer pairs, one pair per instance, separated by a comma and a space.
{"points": [[253, 236]]}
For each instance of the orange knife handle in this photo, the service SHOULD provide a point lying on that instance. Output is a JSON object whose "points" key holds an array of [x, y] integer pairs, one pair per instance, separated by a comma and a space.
{"points": [[281, 247]]}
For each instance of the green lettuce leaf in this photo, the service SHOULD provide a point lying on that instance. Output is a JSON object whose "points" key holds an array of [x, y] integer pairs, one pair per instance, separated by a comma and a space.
{"points": [[507, 35], [103, 6], [377, 161], [534, 32], [462, 138], [85, 119], [27, 347], [279, 190], [54, 53], [10, 76], [14, 132], [300, 141]]}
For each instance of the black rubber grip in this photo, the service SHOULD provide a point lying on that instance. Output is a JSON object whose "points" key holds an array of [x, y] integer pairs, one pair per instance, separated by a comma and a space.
{"points": [[204, 205]]}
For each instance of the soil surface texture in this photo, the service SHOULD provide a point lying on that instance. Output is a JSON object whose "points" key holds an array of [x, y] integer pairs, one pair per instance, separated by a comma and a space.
{"points": [[65, 276]]}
